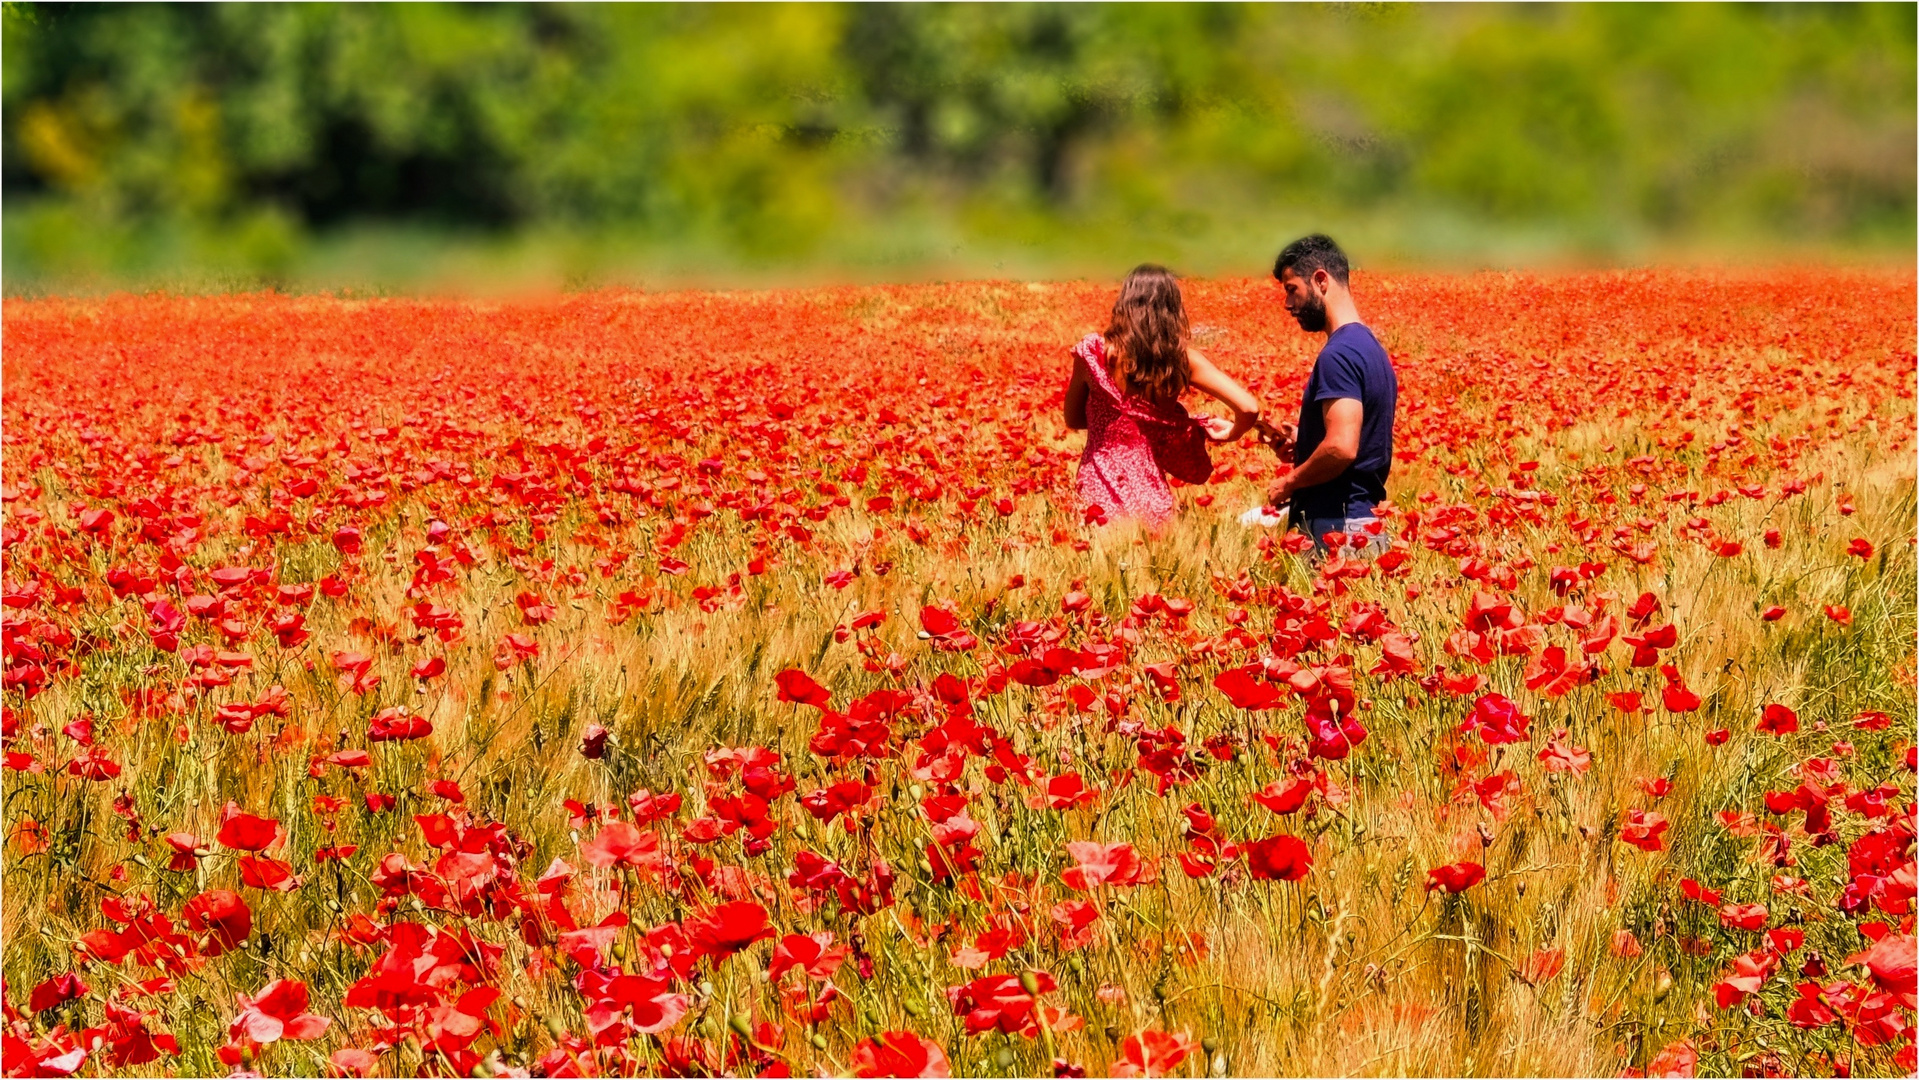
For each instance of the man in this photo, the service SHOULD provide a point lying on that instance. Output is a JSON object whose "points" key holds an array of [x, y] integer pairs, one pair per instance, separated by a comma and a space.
{"points": [[1342, 449]]}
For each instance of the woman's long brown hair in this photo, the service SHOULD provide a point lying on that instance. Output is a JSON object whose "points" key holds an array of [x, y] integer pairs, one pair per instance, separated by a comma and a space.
{"points": [[1148, 336]]}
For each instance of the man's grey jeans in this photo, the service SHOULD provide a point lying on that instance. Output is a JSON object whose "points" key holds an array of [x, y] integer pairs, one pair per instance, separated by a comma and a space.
{"points": [[1362, 545]]}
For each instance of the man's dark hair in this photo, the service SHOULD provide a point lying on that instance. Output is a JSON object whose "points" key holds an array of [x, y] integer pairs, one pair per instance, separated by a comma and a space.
{"points": [[1310, 253]]}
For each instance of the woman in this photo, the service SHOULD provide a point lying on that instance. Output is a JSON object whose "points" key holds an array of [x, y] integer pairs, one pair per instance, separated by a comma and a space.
{"points": [[1125, 394]]}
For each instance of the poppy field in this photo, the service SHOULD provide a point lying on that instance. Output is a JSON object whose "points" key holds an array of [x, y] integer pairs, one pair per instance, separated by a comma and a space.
{"points": [[727, 683]]}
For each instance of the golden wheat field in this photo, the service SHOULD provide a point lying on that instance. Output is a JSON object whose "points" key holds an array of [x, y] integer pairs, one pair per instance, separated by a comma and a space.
{"points": [[727, 683]]}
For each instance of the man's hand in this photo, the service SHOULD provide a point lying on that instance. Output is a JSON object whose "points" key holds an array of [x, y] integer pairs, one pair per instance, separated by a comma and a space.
{"points": [[1335, 452], [1278, 436], [1281, 492]]}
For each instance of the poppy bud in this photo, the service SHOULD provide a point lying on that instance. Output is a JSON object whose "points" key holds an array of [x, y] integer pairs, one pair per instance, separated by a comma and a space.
{"points": [[593, 744]]}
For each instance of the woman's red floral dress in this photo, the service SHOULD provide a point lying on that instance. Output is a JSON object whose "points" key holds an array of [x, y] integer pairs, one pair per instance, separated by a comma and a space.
{"points": [[1131, 444]]}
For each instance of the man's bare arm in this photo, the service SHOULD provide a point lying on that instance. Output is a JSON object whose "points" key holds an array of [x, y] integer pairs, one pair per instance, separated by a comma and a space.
{"points": [[1334, 453]]}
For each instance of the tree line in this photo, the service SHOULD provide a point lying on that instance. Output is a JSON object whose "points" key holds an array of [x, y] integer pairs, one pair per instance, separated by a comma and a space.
{"points": [[771, 127]]}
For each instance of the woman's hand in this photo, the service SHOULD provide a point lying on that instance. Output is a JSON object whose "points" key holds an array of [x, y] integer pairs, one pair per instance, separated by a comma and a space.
{"points": [[1218, 428], [1217, 385]]}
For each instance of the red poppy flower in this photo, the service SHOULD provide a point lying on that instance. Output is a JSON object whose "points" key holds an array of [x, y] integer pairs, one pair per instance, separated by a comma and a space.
{"points": [[1692, 890], [619, 842], [260, 872], [1497, 720], [1330, 738], [1778, 720], [277, 1012], [244, 832], [814, 954], [946, 630], [724, 930], [1749, 973], [395, 725], [1743, 916], [1455, 877], [1279, 858], [1644, 829], [187, 848], [1677, 698], [1153, 1053], [1284, 796], [1893, 963], [796, 685], [1786, 939], [1001, 1003], [899, 1053], [1678, 1059], [55, 991], [1096, 864], [1063, 792], [1245, 691], [1541, 967], [222, 916], [1560, 756]]}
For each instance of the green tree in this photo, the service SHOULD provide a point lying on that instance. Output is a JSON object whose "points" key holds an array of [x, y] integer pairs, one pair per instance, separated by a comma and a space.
{"points": [[778, 131]]}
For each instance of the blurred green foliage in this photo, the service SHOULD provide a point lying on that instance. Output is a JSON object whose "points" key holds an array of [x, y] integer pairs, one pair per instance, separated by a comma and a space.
{"points": [[291, 142]]}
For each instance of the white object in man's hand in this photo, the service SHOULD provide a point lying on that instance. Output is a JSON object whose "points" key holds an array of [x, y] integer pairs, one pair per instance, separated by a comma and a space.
{"points": [[1269, 517]]}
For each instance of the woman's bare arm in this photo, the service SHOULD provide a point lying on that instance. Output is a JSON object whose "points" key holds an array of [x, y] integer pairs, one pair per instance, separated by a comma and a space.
{"points": [[1076, 392], [1220, 386]]}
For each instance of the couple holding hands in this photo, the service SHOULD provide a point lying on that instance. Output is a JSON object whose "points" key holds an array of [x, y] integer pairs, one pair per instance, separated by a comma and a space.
{"points": [[1127, 383]]}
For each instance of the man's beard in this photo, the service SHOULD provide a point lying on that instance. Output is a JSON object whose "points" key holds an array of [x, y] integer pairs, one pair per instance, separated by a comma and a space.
{"points": [[1311, 314]]}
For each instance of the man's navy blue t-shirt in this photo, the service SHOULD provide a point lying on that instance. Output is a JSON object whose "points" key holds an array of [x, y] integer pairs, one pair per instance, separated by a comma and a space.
{"points": [[1352, 365]]}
